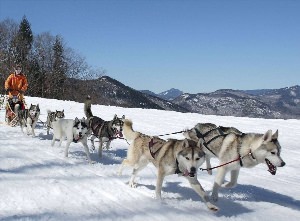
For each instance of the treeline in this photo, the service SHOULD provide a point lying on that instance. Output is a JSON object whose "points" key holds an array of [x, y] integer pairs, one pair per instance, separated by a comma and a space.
{"points": [[53, 70]]}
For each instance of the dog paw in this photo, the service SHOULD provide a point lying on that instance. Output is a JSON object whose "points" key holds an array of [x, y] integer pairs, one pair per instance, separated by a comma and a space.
{"points": [[212, 207], [228, 185], [133, 185]]}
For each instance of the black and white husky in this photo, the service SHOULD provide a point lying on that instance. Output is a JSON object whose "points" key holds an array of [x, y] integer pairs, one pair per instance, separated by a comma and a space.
{"points": [[74, 131], [53, 116], [28, 118], [105, 131]]}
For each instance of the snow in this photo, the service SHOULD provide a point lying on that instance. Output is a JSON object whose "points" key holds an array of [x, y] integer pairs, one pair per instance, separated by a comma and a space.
{"points": [[38, 183]]}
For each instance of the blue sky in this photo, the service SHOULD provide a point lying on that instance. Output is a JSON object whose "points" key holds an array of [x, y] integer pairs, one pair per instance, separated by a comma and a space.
{"points": [[194, 46]]}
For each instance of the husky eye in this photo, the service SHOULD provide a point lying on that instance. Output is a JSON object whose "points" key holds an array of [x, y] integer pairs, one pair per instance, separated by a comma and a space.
{"points": [[273, 153], [187, 158], [197, 158]]}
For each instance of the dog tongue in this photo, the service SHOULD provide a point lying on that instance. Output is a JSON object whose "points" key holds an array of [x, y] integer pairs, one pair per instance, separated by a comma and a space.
{"points": [[185, 173], [272, 168]]}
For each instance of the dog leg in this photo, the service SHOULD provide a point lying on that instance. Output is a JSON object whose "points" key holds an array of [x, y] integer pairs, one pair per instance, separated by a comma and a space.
{"points": [[67, 148], [120, 170], [160, 178], [198, 188], [218, 182], [141, 165], [208, 165], [53, 141], [32, 129], [108, 144], [86, 148], [27, 124], [60, 141], [100, 148], [233, 179], [92, 141]]}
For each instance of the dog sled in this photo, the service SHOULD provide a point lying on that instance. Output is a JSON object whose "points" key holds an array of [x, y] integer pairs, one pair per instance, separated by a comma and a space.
{"points": [[12, 106]]}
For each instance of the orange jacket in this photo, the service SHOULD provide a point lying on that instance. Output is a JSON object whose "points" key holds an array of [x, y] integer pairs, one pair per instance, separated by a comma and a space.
{"points": [[16, 83]]}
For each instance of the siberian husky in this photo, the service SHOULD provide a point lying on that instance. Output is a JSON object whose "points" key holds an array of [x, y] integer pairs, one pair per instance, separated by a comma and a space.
{"points": [[28, 118], [246, 150], [105, 131], [183, 157], [74, 130], [212, 136], [53, 116]]}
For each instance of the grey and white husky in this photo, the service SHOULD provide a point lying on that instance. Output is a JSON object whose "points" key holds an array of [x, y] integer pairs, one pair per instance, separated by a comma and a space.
{"points": [[105, 131], [74, 131], [53, 116], [182, 157], [28, 118], [212, 136], [246, 150]]}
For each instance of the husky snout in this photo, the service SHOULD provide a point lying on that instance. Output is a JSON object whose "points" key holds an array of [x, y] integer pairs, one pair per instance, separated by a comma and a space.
{"points": [[192, 171]]}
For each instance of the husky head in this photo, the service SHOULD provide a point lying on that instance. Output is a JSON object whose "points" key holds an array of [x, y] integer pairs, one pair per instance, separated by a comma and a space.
{"points": [[269, 151], [191, 157], [34, 110], [59, 114], [80, 129], [117, 125]]}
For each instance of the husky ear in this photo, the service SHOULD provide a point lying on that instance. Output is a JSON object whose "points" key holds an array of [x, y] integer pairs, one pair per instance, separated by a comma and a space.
{"points": [[275, 135], [83, 119], [123, 117], [185, 143], [115, 117], [63, 110], [268, 136], [200, 143], [76, 120]]}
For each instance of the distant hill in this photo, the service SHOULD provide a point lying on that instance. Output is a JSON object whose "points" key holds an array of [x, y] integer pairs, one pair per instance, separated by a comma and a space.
{"points": [[266, 103], [168, 95], [108, 91]]}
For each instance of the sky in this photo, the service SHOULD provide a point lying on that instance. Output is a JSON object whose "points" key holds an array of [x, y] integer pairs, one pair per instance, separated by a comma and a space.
{"points": [[37, 183], [194, 46]]}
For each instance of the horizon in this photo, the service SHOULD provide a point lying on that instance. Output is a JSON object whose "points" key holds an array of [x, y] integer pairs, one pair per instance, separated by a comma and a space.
{"points": [[195, 46]]}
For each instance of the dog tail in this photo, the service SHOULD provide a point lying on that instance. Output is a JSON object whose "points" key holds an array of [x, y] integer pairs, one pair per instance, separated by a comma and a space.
{"points": [[129, 133], [87, 107]]}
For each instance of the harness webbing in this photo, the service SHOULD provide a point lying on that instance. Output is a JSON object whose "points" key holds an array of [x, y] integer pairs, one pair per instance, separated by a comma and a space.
{"points": [[239, 158]]}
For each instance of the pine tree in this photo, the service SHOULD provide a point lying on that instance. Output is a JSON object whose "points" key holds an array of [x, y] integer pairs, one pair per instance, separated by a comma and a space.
{"points": [[59, 70], [23, 43]]}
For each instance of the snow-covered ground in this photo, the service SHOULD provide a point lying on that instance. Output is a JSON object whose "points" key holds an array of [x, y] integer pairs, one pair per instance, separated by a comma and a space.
{"points": [[38, 183]]}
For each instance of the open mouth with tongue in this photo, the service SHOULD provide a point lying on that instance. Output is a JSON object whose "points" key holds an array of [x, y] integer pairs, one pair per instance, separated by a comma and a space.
{"points": [[120, 134], [272, 168], [187, 173]]}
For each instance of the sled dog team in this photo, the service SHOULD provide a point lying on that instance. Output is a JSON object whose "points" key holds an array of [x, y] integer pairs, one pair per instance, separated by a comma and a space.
{"points": [[233, 148]]}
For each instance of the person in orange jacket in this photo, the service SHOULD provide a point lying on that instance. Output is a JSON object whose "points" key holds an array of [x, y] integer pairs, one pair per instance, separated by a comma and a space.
{"points": [[16, 85]]}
